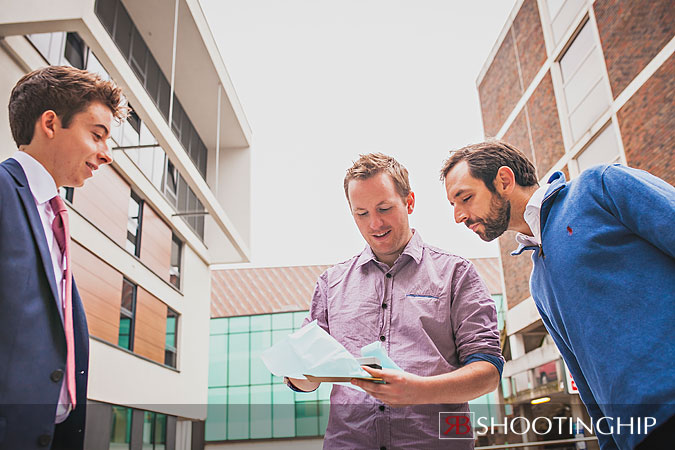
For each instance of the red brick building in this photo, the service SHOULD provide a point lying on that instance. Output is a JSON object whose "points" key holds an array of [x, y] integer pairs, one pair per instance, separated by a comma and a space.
{"points": [[572, 84]]}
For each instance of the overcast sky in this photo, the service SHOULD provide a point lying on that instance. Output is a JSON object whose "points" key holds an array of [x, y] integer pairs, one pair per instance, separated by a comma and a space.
{"points": [[322, 81]]}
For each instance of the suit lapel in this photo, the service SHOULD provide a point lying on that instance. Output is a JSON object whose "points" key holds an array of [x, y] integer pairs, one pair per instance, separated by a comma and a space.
{"points": [[34, 221]]}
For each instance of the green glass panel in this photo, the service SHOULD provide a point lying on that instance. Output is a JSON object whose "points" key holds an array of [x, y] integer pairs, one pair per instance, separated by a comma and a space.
{"points": [[120, 433], [148, 423], [260, 341], [219, 326], [306, 419], [171, 332], [324, 408], [239, 324], [283, 412], [238, 360], [261, 412], [298, 318], [238, 413], [306, 396], [160, 431], [216, 415], [124, 338], [261, 323], [218, 360], [283, 321], [324, 391]]}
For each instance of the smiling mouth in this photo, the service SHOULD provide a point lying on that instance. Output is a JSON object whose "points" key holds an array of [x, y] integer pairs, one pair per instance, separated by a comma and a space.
{"points": [[381, 235], [91, 166]]}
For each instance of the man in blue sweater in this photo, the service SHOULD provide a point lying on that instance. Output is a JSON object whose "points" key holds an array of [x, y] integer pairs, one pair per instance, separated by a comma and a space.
{"points": [[603, 278]]}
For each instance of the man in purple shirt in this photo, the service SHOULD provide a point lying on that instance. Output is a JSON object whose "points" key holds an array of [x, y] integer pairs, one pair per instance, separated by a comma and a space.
{"points": [[430, 310]]}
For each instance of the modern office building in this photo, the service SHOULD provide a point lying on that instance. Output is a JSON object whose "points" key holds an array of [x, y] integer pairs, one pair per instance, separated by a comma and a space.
{"points": [[572, 84], [251, 310], [146, 229]]}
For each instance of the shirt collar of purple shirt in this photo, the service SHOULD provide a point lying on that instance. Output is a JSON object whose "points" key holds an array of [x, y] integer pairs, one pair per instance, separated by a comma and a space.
{"points": [[413, 249]]}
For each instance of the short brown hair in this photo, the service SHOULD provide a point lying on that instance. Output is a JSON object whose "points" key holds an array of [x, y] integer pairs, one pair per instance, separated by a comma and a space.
{"points": [[372, 164], [487, 157], [62, 89]]}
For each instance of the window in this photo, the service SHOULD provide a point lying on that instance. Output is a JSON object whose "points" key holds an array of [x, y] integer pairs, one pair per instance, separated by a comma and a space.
{"points": [[584, 88], [245, 400], [561, 14], [134, 223], [154, 431], [67, 193], [170, 352], [176, 254], [120, 432], [127, 315], [604, 149], [75, 50], [171, 182]]}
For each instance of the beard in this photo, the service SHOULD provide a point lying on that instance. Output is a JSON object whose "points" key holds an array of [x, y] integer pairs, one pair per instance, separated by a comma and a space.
{"points": [[497, 220]]}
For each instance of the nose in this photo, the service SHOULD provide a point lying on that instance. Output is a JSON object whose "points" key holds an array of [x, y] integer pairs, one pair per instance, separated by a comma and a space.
{"points": [[105, 156], [376, 222], [460, 216]]}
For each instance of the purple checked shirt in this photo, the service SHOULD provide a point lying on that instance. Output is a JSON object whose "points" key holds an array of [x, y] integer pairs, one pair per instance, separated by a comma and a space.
{"points": [[430, 310]]}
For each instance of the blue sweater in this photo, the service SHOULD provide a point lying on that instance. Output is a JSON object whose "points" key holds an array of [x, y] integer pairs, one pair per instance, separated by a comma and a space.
{"points": [[605, 288]]}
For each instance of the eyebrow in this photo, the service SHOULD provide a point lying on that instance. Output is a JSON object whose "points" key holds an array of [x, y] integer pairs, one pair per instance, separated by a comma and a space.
{"points": [[377, 206], [105, 129]]}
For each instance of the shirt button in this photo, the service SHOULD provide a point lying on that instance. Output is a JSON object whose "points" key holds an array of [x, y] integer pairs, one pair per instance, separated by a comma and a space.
{"points": [[381, 407], [388, 275], [384, 306], [56, 375], [382, 338], [44, 440]]}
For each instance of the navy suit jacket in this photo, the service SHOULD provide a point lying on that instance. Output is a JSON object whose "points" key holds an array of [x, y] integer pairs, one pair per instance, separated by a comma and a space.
{"points": [[32, 339]]}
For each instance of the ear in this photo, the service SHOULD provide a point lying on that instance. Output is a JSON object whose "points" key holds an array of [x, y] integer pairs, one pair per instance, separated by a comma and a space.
{"points": [[410, 202], [47, 123], [505, 181]]}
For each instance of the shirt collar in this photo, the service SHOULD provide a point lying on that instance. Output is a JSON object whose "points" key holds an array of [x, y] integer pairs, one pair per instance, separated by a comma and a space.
{"points": [[40, 181], [413, 249], [532, 217]]}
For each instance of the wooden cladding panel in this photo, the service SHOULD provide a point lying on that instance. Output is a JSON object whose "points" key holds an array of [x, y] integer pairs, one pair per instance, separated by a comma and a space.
{"points": [[150, 331], [104, 200], [156, 243], [100, 287]]}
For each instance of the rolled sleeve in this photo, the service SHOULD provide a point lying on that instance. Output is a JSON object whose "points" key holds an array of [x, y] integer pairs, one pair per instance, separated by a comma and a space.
{"points": [[474, 316], [318, 310]]}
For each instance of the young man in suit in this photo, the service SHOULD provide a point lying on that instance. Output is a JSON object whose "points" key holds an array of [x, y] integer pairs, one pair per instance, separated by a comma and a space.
{"points": [[60, 118]]}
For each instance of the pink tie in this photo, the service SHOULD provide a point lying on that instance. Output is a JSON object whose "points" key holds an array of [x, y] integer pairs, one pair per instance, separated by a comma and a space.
{"points": [[62, 234]]}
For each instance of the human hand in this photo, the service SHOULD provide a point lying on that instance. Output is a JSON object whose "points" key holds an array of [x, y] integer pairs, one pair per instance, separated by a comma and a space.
{"points": [[401, 388]]}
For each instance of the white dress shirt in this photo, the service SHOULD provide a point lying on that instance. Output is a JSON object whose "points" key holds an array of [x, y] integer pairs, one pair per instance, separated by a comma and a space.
{"points": [[43, 188], [532, 217]]}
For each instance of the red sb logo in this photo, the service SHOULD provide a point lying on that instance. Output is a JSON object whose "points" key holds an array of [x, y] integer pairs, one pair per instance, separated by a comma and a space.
{"points": [[455, 425]]}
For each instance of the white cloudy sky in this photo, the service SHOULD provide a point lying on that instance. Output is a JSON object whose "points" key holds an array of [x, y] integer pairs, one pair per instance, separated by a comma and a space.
{"points": [[322, 81]]}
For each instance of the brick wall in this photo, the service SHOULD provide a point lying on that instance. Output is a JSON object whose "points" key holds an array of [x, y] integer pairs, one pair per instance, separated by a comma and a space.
{"points": [[500, 89], [632, 33], [647, 123], [517, 269], [529, 41], [518, 134], [545, 126]]}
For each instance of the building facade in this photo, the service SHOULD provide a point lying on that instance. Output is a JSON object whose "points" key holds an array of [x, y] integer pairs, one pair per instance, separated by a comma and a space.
{"points": [[146, 229], [572, 84], [252, 309]]}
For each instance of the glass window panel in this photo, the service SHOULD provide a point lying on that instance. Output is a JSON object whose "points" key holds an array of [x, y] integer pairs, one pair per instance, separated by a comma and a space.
{"points": [[56, 48], [306, 419], [261, 412], [298, 318], [159, 161], [324, 408], [74, 51], [95, 66], [589, 110], [238, 364], [282, 321], [171, 320], [283, 412], [260, 341], [127, 296], [564, 17], [324, 391], [105, 10], [152, 77], [219, 325], [123, 27], [138, 54], [583, 81], [163, 96], [306, 396], [603, 150], [218, 360], [262, 322], [577, 52], [160, 432], [120, 433], [239, 324], [124, 338], [182, 193], [42, 42], [216, 424], [148, 428], [238, 413]]}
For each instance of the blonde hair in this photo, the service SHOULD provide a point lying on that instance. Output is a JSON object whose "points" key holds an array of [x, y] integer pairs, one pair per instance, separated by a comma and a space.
{"points": [[373, 164]]}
